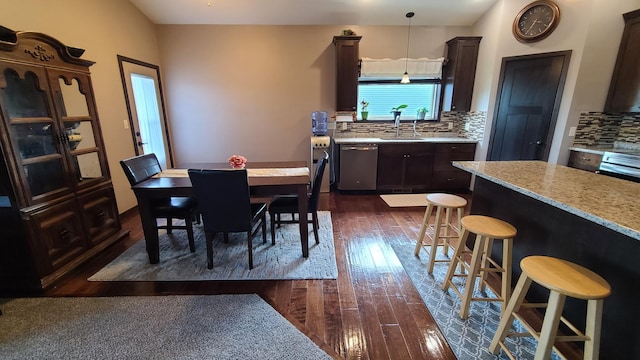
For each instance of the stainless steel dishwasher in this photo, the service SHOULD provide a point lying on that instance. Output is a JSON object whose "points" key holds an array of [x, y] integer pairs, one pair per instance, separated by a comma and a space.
{"points": [[358, 167]]}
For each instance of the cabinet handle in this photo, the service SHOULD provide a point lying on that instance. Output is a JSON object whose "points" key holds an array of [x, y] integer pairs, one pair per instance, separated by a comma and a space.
{"points": [[63, 232], [586, 159]]}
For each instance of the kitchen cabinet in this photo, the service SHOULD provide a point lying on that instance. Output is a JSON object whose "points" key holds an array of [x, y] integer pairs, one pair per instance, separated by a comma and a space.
{"points": [[459, 73], [404, 167], [57, 205], [584, 160], [347, 57], [445, 176], [624, 90]]}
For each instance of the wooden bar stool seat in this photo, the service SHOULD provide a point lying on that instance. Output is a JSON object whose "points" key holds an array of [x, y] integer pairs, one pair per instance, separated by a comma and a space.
{"points": [[563, 279], [487, 229], [441, 231]]}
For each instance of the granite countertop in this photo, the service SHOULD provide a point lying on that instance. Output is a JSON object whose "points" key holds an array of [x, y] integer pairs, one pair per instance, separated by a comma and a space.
{"points": [[402, 139], [600, 149], [605, 200]]}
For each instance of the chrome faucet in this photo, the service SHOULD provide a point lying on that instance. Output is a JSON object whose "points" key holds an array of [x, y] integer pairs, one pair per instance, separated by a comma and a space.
{"points": [[396, 123]]}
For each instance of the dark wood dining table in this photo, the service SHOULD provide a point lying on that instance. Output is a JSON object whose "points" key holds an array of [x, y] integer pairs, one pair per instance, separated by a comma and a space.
{"points": [[265, 179]]}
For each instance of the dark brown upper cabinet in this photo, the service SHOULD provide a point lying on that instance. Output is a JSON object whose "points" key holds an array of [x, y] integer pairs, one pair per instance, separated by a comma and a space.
{"points": [[459, 72], [347, 57], [624, 91]]}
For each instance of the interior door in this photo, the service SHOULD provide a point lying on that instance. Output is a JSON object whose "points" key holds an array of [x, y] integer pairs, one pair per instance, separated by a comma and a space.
{"points": [[529, 94], [145, 105]]}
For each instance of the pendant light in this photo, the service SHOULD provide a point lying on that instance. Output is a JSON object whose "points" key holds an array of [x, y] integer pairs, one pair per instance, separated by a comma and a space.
{"points": [[405, 77]]}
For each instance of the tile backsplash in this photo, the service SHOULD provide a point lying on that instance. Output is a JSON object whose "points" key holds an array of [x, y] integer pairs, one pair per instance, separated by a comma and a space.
{"points": [[596, 128], [465, 124]]}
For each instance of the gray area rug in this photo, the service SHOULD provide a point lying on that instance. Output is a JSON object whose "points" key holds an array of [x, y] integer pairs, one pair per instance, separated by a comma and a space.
{"points": [[470, 338], [270, 262], [155, 327]]}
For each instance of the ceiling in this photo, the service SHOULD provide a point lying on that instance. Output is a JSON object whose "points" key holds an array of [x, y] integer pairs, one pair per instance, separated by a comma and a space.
{"points": [[314, 12]]}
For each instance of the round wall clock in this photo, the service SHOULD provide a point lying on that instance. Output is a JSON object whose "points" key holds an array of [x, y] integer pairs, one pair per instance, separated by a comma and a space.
{"points": [[536, 21]]}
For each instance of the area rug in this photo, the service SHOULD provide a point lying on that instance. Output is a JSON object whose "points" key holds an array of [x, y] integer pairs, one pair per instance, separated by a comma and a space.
{"points": [[405, 200], [271, 262], [470, 338], [150, 327]]}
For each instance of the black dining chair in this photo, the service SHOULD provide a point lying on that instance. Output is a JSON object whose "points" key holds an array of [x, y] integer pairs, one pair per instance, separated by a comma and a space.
{"points": [[143, 167], [226, 207], [288, 204]]}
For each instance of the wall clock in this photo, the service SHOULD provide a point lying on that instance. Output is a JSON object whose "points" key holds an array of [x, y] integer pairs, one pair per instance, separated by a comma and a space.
{"points": [[536, 21]]}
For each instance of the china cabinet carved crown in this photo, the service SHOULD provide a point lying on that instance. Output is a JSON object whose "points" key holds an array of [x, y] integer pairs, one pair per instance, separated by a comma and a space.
{"points": [[57, 205]]}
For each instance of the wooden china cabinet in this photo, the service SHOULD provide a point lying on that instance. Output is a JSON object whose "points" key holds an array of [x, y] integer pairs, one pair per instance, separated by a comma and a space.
{"points": [[57, 205]]}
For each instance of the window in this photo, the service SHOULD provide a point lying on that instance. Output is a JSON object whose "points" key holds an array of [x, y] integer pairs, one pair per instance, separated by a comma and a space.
{"points": [[384, 95]]}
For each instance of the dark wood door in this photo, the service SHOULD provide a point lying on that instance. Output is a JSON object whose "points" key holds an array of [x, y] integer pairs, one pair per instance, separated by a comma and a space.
{"points": [[529, 96]]}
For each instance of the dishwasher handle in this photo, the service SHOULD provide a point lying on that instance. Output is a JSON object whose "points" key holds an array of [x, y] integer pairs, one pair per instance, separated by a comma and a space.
{"points": [[360, 147]]}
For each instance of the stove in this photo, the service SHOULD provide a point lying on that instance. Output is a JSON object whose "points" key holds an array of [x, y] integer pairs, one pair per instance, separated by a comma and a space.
{"points": [[623, 163]]}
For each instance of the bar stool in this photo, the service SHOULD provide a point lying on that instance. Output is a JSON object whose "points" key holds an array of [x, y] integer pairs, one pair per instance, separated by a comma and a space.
{"points": [[563, 279], [487, 229], [447, 202]]}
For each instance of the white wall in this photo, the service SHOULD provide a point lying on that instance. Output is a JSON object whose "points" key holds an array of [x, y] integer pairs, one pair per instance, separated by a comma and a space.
{"points": [[250, 90], [591, 29], [104, 28]]}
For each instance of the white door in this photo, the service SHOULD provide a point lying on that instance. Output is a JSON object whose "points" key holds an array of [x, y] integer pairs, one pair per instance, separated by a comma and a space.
{"points": [[147, 117]]}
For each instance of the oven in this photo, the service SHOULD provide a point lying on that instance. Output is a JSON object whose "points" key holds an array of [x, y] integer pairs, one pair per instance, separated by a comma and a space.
{"points": [[624, 165]]}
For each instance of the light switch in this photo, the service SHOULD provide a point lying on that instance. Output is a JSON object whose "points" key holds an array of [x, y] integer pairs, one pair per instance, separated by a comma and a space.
{"points": [[126, 124]]}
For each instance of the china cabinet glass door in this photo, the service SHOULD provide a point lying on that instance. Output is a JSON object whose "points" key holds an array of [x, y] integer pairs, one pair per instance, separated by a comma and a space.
{"points": [[35, 135], [80, 126]]}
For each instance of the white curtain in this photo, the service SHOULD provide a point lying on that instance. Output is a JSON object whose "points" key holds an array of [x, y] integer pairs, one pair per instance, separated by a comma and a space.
{"points": [[392, 69]]}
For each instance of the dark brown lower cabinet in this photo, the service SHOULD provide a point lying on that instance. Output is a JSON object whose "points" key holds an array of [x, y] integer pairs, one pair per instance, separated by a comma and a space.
{"points": [[445, 176], [404, 167], [584, 161]]}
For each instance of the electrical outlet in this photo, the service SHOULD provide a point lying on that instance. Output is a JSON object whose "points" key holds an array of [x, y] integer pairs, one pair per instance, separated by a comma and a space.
{"points": [[344, 126], [450, 126], [467, 126], [572, 131], [126, 124]]}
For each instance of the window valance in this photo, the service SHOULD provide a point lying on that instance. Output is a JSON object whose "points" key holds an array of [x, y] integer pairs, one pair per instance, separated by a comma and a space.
{"points": [[392, 69]]}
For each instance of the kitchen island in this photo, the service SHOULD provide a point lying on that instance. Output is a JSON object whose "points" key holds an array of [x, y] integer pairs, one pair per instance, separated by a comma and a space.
{"points": [[590, 219]]}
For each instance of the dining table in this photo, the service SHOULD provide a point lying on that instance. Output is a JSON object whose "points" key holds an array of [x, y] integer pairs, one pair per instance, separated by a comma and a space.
{"points": [[265, 179]]}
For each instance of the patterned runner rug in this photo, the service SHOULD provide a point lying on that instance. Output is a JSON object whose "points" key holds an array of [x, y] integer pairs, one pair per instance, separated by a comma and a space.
{"points": [[271, 262], [468, 338]]}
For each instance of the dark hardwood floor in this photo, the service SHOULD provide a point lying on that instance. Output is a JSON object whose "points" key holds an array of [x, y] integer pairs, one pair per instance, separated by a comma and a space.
{"points": [[372, 311]]}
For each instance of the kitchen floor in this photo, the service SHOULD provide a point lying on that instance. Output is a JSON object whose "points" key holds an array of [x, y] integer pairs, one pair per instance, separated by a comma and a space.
{"points": [[372, 311]]}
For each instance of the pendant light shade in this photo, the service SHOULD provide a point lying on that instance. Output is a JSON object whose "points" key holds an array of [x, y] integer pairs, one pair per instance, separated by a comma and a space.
{"points": [[405, 77]]}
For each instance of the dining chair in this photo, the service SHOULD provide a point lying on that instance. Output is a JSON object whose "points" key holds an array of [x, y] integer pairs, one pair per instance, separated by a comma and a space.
{"points": [[288, 204], [226, 206], [142, 167]]}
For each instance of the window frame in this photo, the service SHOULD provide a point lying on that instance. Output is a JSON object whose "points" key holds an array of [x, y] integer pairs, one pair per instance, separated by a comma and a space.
{"points": [[437, 103]]}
